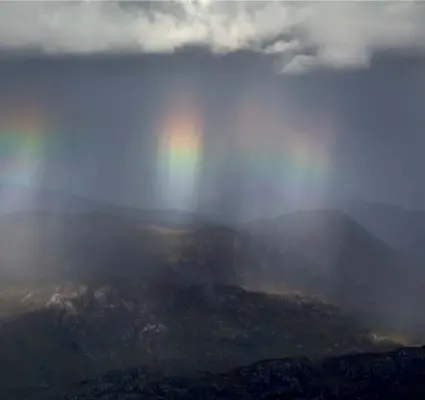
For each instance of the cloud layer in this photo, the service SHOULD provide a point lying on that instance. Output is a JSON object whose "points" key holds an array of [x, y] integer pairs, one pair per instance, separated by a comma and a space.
{"points": [[301, 34]]}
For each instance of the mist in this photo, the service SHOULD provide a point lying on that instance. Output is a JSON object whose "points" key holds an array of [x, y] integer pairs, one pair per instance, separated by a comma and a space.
{"points": [[251, 181]]}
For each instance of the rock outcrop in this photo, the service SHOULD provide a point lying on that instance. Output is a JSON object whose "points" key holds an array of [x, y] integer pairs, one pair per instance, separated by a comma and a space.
{"points": [[398, 374]]}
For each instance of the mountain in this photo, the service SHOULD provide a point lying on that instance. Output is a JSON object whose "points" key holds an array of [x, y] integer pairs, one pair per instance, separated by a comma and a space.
{"points": [[324, 253], [402, 228], [20, 198], [328, 253], [81, 294], [64, 333], [393, 375], [38, 245]]}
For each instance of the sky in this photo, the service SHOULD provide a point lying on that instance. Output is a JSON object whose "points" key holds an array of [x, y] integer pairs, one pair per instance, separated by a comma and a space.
{"points": [[236, 108]]}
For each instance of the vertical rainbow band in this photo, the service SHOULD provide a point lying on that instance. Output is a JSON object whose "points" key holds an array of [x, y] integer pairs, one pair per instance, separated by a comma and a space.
{"points": [[180, 154]]}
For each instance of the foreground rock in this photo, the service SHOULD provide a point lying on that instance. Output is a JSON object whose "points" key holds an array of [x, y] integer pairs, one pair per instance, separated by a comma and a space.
{"points": [[398, 374], [71, 332]]}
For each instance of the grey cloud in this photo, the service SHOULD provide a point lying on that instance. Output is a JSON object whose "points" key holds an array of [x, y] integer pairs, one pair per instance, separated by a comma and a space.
{"points": [[343, 33]]}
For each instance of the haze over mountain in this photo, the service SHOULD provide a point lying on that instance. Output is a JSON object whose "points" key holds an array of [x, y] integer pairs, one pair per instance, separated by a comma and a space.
{"points": [[402, 228], [102, 291], [322, 251], [176, 193], [319, 252], [18, 198], [99, 291]]}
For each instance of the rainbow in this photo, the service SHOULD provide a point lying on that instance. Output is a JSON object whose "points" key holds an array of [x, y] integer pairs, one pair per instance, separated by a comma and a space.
{"points": [[24, 135], [294, 161], [180, 154], [273, 157]]}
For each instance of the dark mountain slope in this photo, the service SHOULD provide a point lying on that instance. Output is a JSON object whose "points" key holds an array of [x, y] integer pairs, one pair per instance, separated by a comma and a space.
{"points": [[19, 198], [402, 228], [395, 375], [327, 253], [63, 334], [82, 294], [318, 252], [55, 247]]}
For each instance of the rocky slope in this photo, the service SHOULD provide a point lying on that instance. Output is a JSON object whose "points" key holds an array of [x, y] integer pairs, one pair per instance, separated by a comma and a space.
{"points": [[394, 375], [327, 253], [84, 294], [76, 331]]}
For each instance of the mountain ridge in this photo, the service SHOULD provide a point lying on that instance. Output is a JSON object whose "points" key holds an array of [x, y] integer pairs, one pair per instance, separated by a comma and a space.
{"points": [[81, 303], [402, 228], [391, 375]]}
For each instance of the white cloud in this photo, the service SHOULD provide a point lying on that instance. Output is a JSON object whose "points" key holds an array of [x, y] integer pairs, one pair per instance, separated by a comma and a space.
{"points": [[299, 63], [343, 33]]}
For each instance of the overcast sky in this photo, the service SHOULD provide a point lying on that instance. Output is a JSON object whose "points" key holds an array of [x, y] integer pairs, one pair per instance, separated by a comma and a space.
{"points": [[243, 107]]}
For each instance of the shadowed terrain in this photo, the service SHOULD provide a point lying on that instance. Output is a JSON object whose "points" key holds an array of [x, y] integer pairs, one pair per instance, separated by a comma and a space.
{"points": [[88, 293], [187, 200], [402, 228], [393, 375], [74, 332]]}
